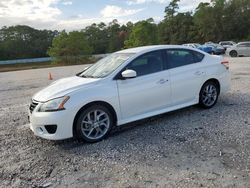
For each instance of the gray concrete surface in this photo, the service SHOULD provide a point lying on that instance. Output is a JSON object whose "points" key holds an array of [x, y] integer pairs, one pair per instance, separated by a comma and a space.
{"points": [[186, 148]]}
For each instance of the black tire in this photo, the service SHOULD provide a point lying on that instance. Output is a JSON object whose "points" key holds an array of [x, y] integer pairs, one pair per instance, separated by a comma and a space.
{"points": [[206, 95], [233, 53], [80, 126]]}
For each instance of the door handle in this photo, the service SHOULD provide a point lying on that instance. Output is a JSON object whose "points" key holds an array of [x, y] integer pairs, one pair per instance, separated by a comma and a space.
{"points": [[162, 81], [198, 73]]}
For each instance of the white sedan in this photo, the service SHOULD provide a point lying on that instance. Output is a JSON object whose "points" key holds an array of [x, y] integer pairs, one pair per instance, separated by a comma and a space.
{"points": [[127, 86], [239, 50]]}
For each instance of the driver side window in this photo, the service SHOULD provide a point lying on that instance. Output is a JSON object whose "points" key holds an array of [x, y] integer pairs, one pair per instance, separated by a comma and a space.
{"points": [[148, 63]]}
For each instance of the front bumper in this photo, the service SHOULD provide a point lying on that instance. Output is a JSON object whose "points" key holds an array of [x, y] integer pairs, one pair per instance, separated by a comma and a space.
{"points": [[62, 119]]}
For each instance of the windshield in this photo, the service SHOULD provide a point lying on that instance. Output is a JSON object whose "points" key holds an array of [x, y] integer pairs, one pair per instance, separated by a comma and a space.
{"points": [[106, 66]]}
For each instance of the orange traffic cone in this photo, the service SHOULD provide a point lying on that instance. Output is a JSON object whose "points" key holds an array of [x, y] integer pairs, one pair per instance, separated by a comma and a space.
{"points": [[50, 76]]}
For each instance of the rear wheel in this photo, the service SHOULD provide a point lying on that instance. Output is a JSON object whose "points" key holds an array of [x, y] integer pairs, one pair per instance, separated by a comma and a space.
{"points": [[94, 123], [209, 94], [233, 53]]}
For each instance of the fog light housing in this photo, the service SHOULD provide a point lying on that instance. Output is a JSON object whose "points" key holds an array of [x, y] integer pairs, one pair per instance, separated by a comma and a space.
{"points": [[51, 129]]}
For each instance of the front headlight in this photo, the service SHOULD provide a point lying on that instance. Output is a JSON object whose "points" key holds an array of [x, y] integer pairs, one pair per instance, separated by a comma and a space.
{"points": [[54, 104]]}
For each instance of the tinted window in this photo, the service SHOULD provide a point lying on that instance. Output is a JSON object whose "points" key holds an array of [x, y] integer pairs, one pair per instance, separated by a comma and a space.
{"points": [[198, 57], [148, 63], [180, 57], [241, 45], [226, 43], [248, 44]]}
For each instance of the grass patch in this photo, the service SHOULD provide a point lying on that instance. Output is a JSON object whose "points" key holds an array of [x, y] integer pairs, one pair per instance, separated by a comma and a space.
{"points": [[26, 66]]}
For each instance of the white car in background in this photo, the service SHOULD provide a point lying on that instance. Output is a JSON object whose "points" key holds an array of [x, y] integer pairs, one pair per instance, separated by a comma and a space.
{"points": [[240, 49], [126, 86], [227, 44]]}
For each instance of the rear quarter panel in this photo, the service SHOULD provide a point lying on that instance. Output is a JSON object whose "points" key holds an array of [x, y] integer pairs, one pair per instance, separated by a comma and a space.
{"points": [[214, 69]]}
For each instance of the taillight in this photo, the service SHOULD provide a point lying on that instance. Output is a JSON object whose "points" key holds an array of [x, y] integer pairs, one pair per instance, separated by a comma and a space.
{"points": [[226, 64]]}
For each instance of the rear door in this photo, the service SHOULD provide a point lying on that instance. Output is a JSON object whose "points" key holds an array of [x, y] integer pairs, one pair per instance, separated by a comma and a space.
{"points": [[187, 74], [242, 49]]}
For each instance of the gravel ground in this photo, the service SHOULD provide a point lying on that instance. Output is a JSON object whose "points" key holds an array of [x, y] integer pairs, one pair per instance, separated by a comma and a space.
{"points": [[186, 148]]}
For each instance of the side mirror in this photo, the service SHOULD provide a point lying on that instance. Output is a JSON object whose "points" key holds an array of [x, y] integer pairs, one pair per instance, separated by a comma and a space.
{"points": [[129, 74]]}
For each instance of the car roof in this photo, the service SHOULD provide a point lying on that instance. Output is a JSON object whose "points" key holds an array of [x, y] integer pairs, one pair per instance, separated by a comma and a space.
{"points": [[244, 42], [144, 49], [190, 43]]}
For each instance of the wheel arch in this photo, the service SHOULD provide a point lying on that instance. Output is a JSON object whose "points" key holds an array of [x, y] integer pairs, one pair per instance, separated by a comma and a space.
{"points": [[103, 103], [216, 81]]}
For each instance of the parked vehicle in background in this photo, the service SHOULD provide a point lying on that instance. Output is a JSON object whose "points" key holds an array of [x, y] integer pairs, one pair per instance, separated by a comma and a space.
{"points": [[227, 44], [191, 45], [216, 48], [203, 48], [240, 49], [127, 86]]}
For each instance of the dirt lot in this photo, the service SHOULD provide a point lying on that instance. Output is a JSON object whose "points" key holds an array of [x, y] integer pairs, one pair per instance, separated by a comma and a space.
{"points": [[186, 148]]}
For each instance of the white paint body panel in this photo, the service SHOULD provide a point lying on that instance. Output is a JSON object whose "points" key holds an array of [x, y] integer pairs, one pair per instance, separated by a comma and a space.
{"points": [[131, 99], [144, 94]]}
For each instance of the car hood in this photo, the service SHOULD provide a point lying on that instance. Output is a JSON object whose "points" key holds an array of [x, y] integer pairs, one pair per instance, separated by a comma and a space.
{"points": [[63, 87]]}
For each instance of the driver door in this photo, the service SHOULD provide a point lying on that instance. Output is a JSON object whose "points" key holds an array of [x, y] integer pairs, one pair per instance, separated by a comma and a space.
{"points": [[149, 91]]}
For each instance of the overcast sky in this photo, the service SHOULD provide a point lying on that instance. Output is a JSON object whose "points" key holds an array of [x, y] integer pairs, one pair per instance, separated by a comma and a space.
{"points": [[77, 14]]}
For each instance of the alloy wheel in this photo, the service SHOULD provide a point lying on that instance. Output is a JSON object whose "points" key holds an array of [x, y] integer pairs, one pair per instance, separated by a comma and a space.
{"points": [[209, 95], [95, 124]]}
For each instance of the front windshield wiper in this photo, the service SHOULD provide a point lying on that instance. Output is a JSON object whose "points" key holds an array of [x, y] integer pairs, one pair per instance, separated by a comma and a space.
{"points": [[88, 76]]}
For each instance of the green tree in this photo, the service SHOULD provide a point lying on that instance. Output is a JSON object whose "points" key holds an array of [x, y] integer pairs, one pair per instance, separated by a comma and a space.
{"points": [[176, 28], [171, 9], [236, 20], [116, 36], [143, 33], [24, 42], [97, 37], [208, 21], [223, 20], [70, 47], [214, 21]]}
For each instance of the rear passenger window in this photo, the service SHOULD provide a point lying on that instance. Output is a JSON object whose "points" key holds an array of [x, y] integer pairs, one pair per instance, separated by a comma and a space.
{"points": [[242, 45], [198, 57], [248, 44], [182, 57]]}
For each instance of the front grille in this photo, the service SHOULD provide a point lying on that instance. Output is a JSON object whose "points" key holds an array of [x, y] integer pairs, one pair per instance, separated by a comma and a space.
{"points": [[33, 106]]}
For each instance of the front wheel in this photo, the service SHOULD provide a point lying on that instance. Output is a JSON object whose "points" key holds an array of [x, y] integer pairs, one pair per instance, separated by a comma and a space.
{"points": [[94, 123], [209, 95]]}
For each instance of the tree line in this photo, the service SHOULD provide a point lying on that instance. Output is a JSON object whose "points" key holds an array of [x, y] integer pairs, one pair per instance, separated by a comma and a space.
{"points": [[214, 21]]}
